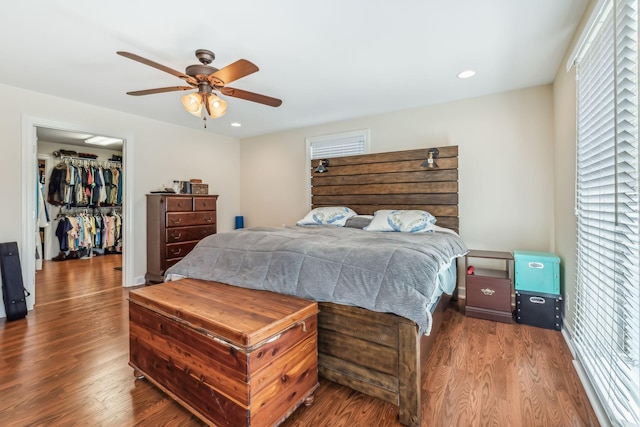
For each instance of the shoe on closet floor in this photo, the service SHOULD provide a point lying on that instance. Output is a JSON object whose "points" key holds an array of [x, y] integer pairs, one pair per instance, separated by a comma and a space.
{"points": [[80, 253], [60, 257], [84, 253]]}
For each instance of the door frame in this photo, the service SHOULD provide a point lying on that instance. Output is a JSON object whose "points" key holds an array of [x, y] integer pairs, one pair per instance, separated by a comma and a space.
{"points": [[29, 174]]}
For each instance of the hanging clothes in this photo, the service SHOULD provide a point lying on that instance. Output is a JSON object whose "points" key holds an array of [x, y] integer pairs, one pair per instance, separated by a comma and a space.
{"points": [[85, 183], [58, 184], [83, 234]]}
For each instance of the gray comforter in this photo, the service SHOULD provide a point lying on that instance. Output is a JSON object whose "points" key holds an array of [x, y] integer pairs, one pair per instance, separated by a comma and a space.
{"points": [[385, 272]]}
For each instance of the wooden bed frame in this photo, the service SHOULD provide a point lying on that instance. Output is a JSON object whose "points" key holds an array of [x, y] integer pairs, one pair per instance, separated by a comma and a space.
{"points": [[379, 354]]}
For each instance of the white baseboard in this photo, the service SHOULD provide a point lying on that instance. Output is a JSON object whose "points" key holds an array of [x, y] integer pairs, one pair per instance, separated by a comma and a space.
{"points": [[139, 280], [603, 419]]}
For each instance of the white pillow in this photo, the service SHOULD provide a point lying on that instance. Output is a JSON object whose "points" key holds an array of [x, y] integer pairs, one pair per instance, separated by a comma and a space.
{"points": [[333, 215], [407, 221]]}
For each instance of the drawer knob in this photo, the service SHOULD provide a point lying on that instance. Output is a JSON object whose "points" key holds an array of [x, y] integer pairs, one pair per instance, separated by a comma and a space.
{"points": [[176, 220], [487, 291], [176, 236], [209, 219], [176, 252]]}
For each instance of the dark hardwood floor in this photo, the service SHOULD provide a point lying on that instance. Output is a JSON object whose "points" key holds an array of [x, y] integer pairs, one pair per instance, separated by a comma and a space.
{"points": [[72, 278], [66, 364]]}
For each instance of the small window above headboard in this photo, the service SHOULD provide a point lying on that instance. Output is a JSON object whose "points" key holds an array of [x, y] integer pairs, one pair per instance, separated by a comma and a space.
{"points": [[339, 144]]}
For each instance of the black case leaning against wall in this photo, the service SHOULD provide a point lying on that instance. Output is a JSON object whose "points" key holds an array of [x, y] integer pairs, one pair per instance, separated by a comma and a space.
{"points": [[13, 292]]}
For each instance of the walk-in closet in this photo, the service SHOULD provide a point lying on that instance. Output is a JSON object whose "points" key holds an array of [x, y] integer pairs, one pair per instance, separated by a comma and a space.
{"points": [[79, 211]]}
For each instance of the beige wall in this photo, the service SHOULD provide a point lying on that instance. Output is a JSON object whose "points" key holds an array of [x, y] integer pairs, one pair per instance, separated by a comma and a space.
{"points": [[159, 151], [506, 165]]}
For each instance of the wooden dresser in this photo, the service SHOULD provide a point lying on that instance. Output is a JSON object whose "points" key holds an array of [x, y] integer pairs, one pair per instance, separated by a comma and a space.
{"points": [[232, 356], [175, 224]]}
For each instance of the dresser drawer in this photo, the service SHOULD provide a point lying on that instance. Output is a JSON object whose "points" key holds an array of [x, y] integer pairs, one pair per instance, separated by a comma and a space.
{"points": [[184, 234], [178, 250], [179, 204], [204, 204], [171, 262], [489, 292], [179, 219]]}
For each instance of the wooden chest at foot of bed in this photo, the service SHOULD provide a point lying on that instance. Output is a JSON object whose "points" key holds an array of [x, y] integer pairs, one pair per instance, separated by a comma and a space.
{"points": [[232, 356]]}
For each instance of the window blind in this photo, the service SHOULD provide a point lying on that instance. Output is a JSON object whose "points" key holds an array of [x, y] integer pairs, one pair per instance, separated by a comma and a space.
{"points": [[338, 145], [607, 300]]}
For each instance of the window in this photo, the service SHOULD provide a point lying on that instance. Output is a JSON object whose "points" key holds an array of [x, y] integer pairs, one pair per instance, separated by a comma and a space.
{"points": [[339, 144], [607, 326]]}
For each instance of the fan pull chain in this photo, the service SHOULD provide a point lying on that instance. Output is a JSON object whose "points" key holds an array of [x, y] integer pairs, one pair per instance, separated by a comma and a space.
{"points": [[205, 121]]}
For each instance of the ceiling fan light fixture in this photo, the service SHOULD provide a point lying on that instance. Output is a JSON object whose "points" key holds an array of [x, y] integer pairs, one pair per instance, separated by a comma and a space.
{"points": [[193, 103], [206, 78], [217, 106]]}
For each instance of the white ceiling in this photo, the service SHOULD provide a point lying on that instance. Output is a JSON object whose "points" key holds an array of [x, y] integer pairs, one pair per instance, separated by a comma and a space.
{"points": [[327, 60]]}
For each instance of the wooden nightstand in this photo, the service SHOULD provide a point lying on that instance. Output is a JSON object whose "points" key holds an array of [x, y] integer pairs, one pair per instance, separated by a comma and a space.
{"points": [[488, 291]]}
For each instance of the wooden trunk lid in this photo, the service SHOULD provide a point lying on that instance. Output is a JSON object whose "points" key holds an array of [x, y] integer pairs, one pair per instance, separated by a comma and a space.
{"points": [[244, 317]]}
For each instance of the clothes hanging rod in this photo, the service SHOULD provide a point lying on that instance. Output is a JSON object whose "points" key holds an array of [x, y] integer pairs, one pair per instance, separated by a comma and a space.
{"points": [[87, 159]]}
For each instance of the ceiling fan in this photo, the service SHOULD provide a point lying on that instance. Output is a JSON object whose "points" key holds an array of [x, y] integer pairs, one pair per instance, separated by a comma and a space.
{"points": [[206, 79]]}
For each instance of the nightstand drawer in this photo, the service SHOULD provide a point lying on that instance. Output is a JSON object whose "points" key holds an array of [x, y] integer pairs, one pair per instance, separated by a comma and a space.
{"points": [[489, 292]]}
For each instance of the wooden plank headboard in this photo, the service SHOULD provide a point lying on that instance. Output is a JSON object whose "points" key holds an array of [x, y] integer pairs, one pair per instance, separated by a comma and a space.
{"points": [[393, 180]]}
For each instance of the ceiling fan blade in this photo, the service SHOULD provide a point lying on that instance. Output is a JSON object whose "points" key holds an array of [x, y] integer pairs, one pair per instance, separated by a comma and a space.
{"points": [[160, 67], [250, 96], [159, 90], [232, 72]]}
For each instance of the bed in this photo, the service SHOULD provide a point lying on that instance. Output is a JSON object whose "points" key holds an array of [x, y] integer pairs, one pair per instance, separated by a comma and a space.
{"points": [[361, 342]]}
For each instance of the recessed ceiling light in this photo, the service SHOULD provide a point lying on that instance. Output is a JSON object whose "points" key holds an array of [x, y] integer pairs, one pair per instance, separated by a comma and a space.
{"points": [[466, 74], [102, 140], [236, 124]]}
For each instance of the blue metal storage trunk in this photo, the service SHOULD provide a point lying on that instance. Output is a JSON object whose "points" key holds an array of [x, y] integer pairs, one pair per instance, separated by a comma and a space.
{"points": [[537, 272]]}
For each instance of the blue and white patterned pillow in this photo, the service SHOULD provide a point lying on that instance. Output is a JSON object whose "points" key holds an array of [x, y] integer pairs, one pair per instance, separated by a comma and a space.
{"points": [[407, 221], [333, 215]]}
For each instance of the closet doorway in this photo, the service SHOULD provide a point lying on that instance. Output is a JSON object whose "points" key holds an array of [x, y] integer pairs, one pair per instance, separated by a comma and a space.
{"points": [[80, 220]]}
